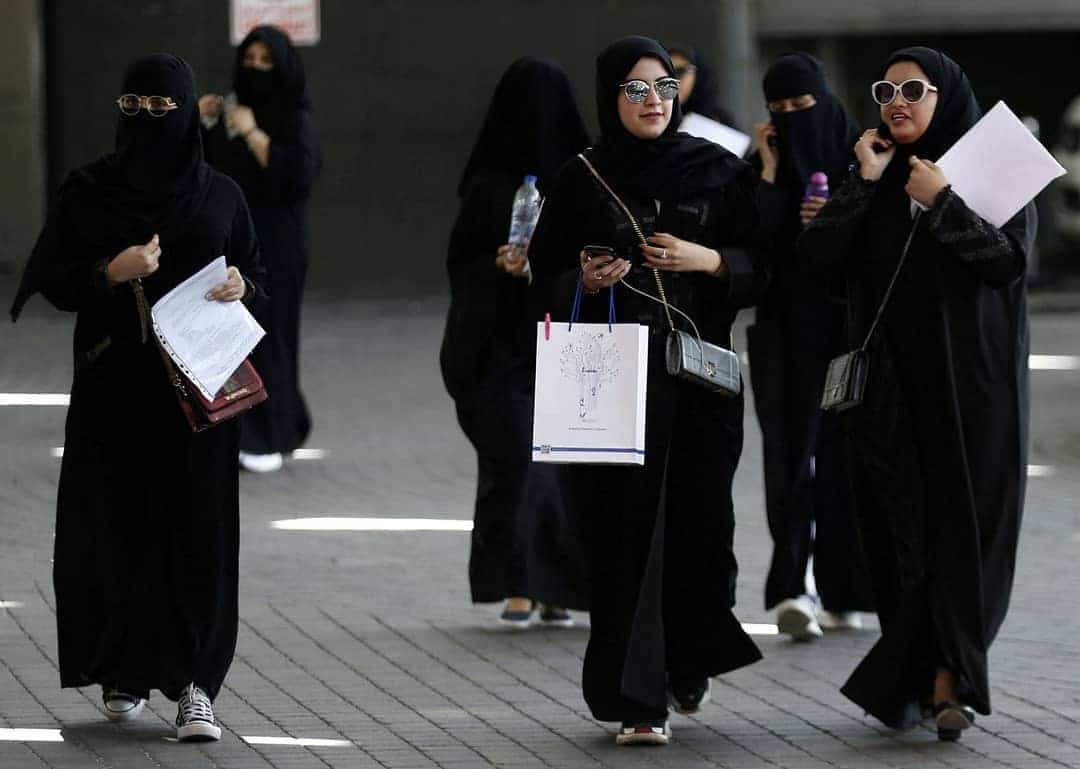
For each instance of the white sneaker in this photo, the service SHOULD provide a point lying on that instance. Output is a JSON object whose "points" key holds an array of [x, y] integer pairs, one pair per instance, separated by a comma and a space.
{"points": [[797, 617], [645, 733], [261, 463], [120, 706], [195, 717], [839, 620]]}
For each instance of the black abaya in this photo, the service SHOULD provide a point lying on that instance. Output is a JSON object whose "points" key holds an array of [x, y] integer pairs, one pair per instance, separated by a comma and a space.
{"points": [[939, 445], [798, 328], [525, 540], [278, 197], [660, 537], [147, 525]]}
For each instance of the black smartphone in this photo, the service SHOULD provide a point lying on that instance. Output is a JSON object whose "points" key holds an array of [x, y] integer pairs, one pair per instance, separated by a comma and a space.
{"points": [[594, 251]]}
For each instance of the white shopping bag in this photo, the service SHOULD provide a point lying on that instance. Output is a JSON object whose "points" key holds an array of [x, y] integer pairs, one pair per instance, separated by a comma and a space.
{"points": [[589, 402]]}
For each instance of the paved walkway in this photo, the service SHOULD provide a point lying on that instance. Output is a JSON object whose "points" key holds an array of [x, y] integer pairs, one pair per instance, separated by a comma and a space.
{"points": [[367, 639]]}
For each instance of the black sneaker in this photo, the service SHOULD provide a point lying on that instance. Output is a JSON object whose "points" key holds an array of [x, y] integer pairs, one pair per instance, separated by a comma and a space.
{"points": [[518, 619], [644, 733], [553, 616], [686, 698], [195, 716]]}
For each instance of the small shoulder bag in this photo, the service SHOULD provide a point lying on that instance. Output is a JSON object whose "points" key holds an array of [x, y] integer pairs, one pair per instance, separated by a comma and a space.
{"points": [[687, 357], [845, 379]]}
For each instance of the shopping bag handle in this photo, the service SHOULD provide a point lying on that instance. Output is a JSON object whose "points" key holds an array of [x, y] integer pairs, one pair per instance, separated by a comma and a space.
{"points": [[575, 311]]}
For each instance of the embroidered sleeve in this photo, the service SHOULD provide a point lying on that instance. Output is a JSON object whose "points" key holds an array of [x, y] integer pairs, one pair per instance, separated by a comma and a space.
{"points": [[989, 251]]}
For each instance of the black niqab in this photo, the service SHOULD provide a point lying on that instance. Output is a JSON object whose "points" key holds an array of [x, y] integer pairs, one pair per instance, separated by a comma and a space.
{"points": [[155, 182], [278, 95], [668, 167], [820, 138], [532, 126], [956, 112]]}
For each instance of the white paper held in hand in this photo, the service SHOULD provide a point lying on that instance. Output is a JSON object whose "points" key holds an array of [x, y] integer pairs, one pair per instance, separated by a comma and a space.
{"points": [[207, 339], [998, 166], [727, 137]]}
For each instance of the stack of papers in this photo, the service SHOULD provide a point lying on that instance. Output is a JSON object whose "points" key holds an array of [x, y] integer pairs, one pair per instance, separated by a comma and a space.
{"points": [[206, 339], [727, 137]]}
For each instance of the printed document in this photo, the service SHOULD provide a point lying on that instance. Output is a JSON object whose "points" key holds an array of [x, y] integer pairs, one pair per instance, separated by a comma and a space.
{"points": [[998, 166], [207, 339], [727, 137]]}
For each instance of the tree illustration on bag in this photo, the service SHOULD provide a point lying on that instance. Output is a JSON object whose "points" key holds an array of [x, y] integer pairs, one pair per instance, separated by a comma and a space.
{"points": [[592, 360]]}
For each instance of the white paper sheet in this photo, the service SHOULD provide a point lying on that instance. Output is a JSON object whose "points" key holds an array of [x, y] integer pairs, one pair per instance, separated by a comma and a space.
{"points": [[998, 167], [207, 339], [705, 128]]}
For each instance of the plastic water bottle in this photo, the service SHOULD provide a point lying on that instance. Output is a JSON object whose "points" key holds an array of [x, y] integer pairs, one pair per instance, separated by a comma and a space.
{"points": [[818, 187], [523, 217]]}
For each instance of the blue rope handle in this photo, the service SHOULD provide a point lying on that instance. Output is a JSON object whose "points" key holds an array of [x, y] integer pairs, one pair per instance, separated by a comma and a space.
{"points": [[575, 310]]}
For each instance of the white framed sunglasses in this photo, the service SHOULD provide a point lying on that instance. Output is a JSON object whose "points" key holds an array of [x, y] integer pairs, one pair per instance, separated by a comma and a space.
{"points": [[913, 91], [637, 91], [157, 106]]}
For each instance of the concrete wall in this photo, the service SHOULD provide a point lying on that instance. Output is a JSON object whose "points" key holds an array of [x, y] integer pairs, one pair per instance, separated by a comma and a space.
{"points": [[400, 89], [22, 156]]}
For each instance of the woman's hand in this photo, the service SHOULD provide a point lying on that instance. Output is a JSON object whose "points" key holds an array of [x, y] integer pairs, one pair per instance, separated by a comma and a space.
{"points": [[926, 181], [512, 263], [240, 120], [810, 208], [770, 159], [666, 252], [872, 164], [134, 262], [210, 106], [602, 272], [232, 289]]}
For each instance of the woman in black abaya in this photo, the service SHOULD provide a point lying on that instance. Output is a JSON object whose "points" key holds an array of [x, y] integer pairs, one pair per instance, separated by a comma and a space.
{"points": [[147, 527], [699, 87], [939, 444], [274, 155], [525, 544], [798, 329], [659, 537]]}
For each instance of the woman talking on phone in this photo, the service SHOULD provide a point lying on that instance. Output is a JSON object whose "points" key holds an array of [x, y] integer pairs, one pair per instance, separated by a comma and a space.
{"points": [[659, 537], [939, 442]]}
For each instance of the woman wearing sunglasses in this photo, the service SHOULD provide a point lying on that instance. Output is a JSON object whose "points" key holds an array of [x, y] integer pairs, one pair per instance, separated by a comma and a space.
{"points": [[526, 549], [268, 142], [659, 537], [147, 519], [939, 443]]}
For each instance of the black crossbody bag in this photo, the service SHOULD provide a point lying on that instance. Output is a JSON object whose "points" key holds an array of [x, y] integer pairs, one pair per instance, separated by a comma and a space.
{"points": [[845, 379]]}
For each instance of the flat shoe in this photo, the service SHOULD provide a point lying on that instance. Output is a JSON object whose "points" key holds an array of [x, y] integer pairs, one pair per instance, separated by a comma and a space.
{"points": [[952, 719]]}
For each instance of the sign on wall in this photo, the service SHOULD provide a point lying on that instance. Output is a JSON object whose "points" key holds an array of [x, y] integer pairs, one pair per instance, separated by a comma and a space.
{"points": [[300, 18]]}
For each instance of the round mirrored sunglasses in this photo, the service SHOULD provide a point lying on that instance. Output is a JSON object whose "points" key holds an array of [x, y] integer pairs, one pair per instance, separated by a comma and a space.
{"points": [[913, 91], [637, 91], [157, 106]]}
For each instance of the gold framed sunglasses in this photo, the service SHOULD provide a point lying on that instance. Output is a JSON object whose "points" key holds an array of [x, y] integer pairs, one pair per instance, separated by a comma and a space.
{"points": [[913, 91], [637, 91], [157, 106]]}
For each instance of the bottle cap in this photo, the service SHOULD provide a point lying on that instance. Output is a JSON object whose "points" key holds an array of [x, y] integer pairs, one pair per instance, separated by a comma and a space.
{"points": [[819, 179], [530, 179]]}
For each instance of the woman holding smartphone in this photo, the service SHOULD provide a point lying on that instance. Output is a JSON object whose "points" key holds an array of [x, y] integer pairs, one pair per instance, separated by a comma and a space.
{"points": [[659, 537], [939, 443]]}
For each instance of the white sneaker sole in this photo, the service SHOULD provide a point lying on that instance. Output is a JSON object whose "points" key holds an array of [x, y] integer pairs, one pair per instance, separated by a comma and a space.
{"points": [[261, 463], [515, 624], [120, 716], [798, 624], [828, 621], [199, 731], [644, 738]]}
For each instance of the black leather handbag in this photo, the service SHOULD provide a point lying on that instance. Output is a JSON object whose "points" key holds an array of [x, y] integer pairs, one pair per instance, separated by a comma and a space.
{"points": [[845, 379]]}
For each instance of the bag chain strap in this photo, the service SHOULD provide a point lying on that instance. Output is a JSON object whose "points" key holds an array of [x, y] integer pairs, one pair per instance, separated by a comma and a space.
{"points": [[892, 283], [656, 273]]}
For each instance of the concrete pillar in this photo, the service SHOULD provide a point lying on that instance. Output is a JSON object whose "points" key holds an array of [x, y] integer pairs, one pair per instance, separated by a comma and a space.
{"points": [[740, 88], [22, 130]]}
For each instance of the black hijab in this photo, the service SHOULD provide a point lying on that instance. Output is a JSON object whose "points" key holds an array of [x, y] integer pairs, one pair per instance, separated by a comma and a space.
{"points": [[956, 112], [276, 96], [705, 98], [533, 124], [154, 182], [821, 138], [668, 167]]}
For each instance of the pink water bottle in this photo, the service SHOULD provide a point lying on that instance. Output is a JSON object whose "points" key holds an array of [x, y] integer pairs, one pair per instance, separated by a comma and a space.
{"points": [[818, 186]]}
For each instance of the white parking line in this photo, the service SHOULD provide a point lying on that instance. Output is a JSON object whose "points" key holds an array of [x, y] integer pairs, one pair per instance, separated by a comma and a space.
{"points": [[11, 605], [1054, 362], [34, 399], [30, 735], [303, 742], [309, 454], [752, 628], [1041, 471], [371, 524]]}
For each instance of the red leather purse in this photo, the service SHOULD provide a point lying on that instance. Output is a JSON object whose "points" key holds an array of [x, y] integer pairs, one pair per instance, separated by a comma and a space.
{"points": [[241, 391]]}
